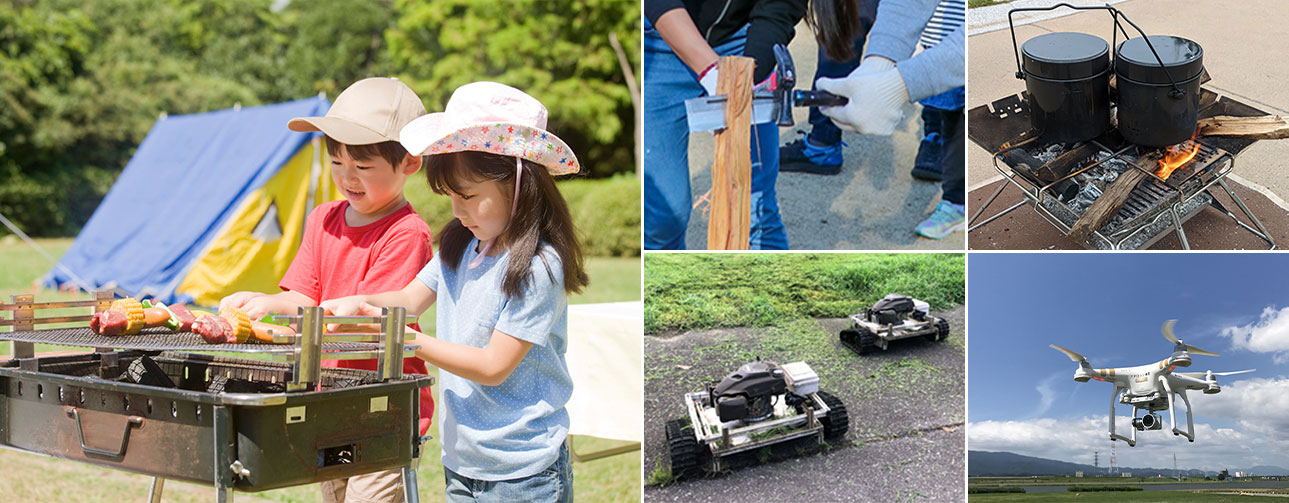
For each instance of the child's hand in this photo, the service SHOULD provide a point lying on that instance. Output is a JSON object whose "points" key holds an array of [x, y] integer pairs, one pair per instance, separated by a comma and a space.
{"points": [[252, 303], [350, 306]]}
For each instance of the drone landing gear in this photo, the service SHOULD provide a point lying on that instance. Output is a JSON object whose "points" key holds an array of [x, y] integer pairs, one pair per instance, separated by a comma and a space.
{"points": [[1132, 442], [1172, 412]]}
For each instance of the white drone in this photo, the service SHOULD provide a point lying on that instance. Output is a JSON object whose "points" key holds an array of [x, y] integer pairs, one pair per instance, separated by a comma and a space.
{"points": [[1153, 386]]}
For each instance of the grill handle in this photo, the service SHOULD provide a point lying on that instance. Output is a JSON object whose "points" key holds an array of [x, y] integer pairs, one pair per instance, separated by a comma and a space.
{"points": [[125, 437]]}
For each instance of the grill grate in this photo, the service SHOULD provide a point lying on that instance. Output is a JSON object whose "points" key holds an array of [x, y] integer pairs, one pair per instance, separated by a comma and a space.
{"points": [[160, 339], [207, 373]]}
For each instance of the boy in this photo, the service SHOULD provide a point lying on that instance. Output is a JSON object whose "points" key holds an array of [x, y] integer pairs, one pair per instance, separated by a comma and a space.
{"points": [[370, 242]]}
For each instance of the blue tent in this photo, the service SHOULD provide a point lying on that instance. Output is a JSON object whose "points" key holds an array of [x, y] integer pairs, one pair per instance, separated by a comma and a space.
{"points": [[178, 200]]}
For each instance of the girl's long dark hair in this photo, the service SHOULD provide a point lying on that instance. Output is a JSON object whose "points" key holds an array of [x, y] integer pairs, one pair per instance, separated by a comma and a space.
{"points": [[542, 216], [837, 23]]}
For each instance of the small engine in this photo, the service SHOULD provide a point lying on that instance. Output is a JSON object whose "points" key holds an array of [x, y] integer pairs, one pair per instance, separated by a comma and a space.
{"points": [[1149, 421], [749, 393], [895, 308]]}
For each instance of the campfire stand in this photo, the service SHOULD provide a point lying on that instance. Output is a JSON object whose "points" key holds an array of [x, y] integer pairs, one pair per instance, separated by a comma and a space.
{"points": [[1155, 206], [239, 424]]}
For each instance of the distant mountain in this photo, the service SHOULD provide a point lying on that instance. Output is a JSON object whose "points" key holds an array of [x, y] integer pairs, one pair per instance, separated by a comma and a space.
{"points": [[1007, 464], [1264, 470]]}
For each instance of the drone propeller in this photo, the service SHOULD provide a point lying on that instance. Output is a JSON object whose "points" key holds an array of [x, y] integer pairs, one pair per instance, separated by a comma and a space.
{"points": [[1203, 375], [1074, 357], [1168, 334]]}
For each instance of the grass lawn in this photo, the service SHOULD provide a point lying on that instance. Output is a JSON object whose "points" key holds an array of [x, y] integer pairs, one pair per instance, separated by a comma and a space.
{"points": [[30, 477], [697, 291]]}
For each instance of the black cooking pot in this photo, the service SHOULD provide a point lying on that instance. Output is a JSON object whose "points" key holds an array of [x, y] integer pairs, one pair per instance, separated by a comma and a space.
{"points": [[1067, 77], [1159, 89]]}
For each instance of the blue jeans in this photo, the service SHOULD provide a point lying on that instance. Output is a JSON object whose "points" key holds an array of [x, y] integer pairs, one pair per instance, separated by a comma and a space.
{"points": [[554, 484], [668, 198], [822, 129]]}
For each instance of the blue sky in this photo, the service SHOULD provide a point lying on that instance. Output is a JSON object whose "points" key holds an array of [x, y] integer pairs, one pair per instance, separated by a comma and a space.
{"points": [[1109, 307]]}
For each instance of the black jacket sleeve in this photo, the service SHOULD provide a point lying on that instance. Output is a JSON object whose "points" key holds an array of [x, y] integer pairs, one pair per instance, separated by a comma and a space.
{"points": [[771, 22], [653, 9]]}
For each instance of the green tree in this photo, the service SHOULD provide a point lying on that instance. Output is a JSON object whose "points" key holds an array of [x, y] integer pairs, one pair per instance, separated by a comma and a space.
{"points": [[559, 52], [334, 43]]}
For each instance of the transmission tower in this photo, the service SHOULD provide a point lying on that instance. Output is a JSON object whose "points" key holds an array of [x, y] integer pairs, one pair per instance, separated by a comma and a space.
{"points": [[1113, 462]]}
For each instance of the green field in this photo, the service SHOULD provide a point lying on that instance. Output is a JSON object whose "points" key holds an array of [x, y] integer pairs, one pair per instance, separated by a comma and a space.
{"points": [[29, 477], [1088, 481], [699, 291], [1116, 497], [1215, 494]]}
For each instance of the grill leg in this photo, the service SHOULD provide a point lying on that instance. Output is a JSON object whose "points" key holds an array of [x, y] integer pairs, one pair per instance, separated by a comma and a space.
{"points": [[410, 493], [1264, 235], [1177, 222], [224, 452], [154, 492], [989, 201]]}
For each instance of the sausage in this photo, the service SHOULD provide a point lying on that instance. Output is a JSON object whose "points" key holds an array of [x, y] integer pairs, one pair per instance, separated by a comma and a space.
{"points": [[263, 332], [155, 317], [214, 329]]}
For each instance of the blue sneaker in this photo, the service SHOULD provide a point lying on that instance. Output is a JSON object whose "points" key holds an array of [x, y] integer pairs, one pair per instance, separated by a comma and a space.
{"points": [[804, 157], [946, 219]]}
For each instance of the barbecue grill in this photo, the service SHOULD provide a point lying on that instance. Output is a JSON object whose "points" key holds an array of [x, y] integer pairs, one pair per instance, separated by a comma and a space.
{"points": [[160, 404], [1154, 207]]}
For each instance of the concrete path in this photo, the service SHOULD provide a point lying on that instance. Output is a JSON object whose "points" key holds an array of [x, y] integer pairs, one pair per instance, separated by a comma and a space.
{"points": [[1244, 52]]}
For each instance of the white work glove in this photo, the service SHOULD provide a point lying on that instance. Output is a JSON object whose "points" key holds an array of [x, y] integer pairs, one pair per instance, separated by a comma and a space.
{"points": [[709, 77], [877, 97], [873, 64]]}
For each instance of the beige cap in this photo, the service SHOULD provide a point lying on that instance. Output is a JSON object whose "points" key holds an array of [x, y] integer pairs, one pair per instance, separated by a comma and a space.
{"points": [[369, 111]]}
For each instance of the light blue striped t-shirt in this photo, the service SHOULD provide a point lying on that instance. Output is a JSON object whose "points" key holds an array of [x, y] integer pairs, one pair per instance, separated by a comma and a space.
{"points": [[515, 429]]}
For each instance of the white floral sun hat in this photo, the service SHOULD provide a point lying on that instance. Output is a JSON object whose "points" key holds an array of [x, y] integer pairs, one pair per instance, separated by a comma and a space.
{"points": [[494, 118]]}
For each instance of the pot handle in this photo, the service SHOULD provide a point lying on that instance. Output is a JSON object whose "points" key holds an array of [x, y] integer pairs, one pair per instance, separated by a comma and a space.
{"points": [[1115, 14], [125, 437]]}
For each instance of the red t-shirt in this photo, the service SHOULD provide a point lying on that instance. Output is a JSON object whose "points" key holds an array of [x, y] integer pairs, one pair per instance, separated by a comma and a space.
{"points": [[338, 260]]}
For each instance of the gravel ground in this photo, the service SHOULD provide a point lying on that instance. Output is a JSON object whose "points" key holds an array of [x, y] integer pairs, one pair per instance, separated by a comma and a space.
{"points": [[906, 410]]}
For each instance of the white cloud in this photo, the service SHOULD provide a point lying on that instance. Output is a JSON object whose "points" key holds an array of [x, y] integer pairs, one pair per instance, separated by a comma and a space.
{"points": [[1257, 405], [1075, 440], [1268, 334], [1047, 394], [1258, 408]]}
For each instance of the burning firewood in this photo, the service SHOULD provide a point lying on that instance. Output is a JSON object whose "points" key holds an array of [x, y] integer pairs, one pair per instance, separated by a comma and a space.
{"points": [[1107, 205]]}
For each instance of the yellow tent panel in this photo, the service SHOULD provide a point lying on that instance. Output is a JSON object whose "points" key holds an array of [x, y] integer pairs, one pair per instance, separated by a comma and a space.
{"points": [[253, 251]]}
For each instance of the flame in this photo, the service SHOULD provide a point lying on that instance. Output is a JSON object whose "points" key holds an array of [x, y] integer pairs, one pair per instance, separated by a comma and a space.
{"points": [[1175, 157]]}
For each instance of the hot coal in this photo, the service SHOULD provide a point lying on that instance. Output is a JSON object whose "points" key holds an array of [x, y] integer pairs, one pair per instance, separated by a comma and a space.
{"points": [[1092, 182]]}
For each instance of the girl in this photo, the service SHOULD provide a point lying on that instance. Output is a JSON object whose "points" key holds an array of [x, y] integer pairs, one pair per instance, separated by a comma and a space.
{"points": [[500, 279]]}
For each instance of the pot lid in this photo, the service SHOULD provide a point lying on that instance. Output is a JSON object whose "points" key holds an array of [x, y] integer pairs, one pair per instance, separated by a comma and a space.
{"points": [[1183, 58], [1065, 56]]}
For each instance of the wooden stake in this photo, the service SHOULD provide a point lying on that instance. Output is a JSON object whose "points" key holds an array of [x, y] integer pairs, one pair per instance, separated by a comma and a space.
{"points": [[730, 220], [1107, 205], [1266, 127]]}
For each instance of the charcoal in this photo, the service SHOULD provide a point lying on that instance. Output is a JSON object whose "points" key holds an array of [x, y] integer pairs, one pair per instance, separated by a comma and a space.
{"points": [[146, 371]]}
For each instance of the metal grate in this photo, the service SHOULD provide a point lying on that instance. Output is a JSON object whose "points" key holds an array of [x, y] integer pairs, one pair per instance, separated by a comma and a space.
{"points": [[160, 339], [207, 373]]}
